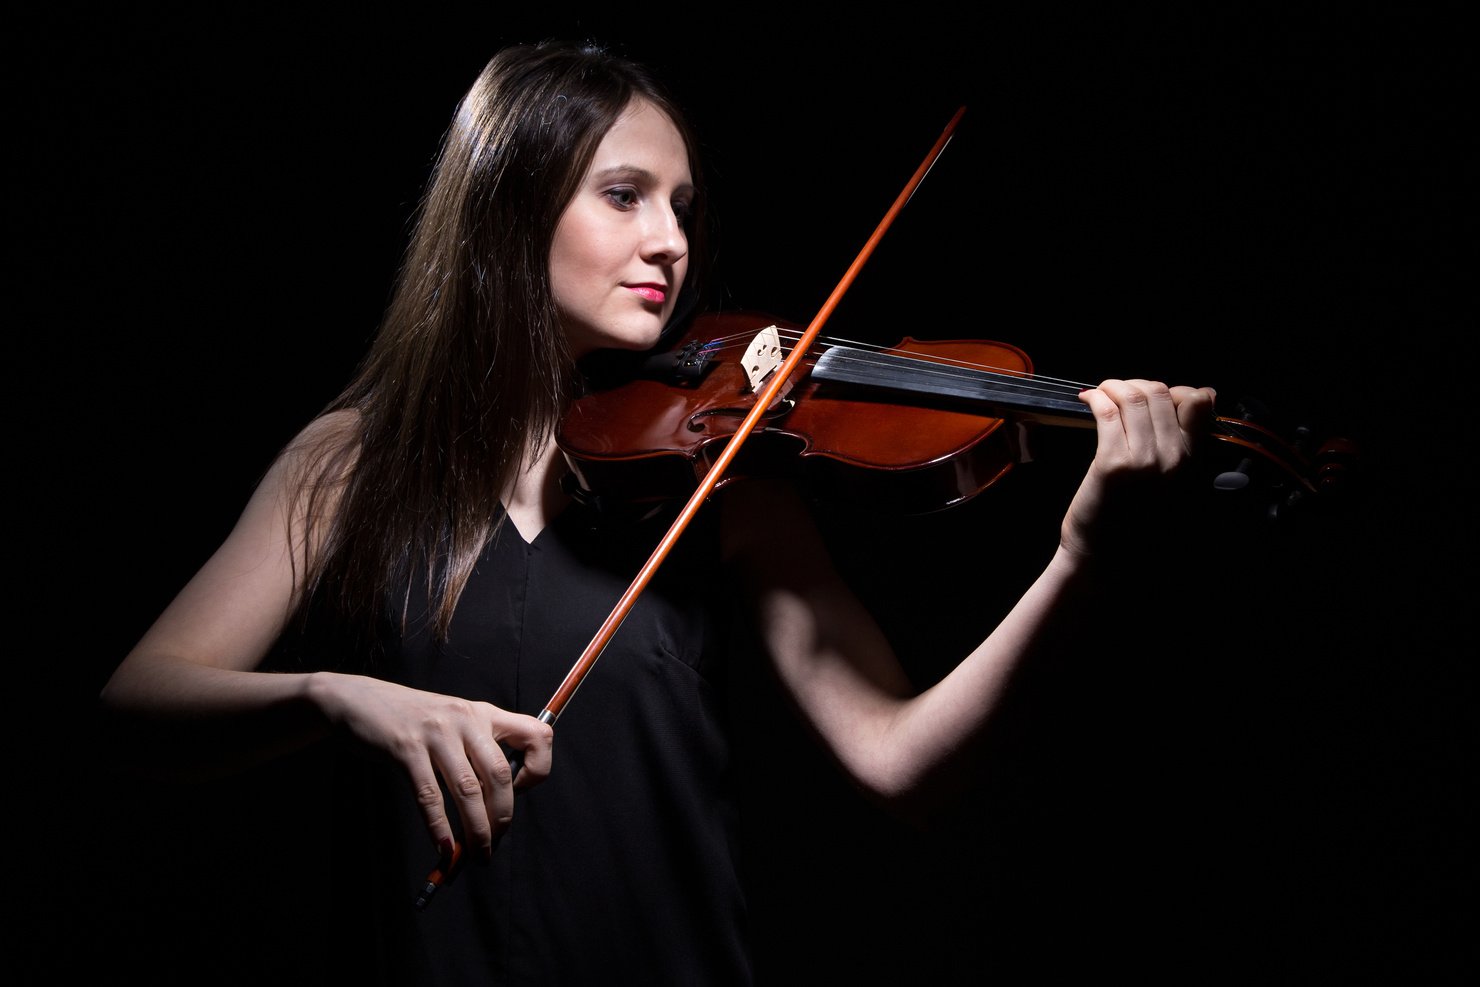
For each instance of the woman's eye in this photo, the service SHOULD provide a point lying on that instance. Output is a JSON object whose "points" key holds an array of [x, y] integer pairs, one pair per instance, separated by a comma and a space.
{"points": [[623, 198], [684, 210]]}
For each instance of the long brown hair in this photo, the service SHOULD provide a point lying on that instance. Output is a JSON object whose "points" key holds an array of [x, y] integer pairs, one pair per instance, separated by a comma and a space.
{"points": [[470, 365]]}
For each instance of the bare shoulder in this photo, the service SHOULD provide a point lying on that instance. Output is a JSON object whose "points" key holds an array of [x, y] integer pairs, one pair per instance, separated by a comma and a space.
{"points": [[315, 463], [233, 608], [335, 426], [329, 438], [295, 501]]}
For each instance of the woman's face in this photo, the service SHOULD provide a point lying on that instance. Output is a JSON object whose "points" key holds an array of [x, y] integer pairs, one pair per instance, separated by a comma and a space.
{"points": [[620, 251]]}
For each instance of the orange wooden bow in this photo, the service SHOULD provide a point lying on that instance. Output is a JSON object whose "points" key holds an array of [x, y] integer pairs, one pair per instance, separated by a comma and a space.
{"points": [[716, 472]]}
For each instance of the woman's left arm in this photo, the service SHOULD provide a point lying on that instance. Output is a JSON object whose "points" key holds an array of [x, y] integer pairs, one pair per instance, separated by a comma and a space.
{"points": [[837, 664]]}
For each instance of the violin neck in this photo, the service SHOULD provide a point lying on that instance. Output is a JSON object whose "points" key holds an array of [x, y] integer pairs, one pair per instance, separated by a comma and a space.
{"points": [[1021, 394]]}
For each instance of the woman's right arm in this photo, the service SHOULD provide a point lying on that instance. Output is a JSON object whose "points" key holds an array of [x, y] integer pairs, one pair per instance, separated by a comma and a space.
{"points": [[189, 698]]}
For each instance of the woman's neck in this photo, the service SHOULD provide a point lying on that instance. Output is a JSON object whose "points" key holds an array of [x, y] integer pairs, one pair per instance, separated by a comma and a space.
{"points": [[535, 497]]}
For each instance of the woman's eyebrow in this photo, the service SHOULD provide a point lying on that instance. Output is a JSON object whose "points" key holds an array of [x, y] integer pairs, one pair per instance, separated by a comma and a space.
{"points": [[636, 172]]}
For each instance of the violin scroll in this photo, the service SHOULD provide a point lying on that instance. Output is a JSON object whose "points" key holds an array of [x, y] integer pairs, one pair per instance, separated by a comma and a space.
{"points": [[1286, 473]]}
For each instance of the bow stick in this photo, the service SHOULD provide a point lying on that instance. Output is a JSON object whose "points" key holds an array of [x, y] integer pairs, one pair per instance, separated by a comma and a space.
{"points": [[777, 380]]}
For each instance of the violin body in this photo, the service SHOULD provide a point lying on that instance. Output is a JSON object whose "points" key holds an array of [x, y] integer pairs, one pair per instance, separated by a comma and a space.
{"points": [[650, 439]]}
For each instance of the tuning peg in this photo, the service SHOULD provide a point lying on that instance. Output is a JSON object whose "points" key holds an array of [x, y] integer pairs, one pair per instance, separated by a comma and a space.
{"points": [[1278, 508], [1237, 478]]}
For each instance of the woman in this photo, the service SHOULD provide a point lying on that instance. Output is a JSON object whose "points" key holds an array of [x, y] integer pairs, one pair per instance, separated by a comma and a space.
{"points": [[412, 579]]}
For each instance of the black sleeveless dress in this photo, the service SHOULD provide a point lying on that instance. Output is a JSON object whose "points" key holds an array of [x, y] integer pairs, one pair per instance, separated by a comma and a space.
{"points": [[623, 866]]}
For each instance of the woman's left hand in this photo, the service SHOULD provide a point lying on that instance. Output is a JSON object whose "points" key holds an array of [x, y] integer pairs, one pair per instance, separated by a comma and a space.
{"points": [[1146, 431]]}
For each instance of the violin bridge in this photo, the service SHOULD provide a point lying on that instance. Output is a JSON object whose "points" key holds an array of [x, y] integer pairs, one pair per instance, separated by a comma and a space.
{"points": [[762, 356]]}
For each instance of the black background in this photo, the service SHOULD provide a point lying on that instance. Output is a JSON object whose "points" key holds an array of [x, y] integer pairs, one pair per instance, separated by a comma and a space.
{"points": [[1254, 763]]}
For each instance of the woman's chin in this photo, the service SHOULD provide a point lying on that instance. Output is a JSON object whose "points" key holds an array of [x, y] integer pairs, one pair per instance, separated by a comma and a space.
{"points": [[628, 338]]}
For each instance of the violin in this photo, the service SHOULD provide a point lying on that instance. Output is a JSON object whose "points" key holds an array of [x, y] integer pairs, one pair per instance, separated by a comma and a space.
{"points": [[915, 427]]}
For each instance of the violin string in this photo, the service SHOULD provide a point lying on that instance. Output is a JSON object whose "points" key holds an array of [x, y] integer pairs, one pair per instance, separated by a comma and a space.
{"points": [[1051, 385], [970, 371]]}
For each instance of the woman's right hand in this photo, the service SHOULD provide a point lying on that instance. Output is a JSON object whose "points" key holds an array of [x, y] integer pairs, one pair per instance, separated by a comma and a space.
{"points": [[434, 737]]}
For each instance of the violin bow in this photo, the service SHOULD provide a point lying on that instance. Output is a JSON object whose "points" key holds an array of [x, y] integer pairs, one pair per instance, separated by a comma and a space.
{"points": [[447, 868], [716, 472]]}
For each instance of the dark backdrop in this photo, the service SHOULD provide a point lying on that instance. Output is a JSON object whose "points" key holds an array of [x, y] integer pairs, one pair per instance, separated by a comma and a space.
{"points": [[1252, 760]]}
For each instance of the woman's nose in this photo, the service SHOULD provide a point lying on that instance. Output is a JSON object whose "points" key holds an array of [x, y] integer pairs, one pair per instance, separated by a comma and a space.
{"points": [[664, 238]]}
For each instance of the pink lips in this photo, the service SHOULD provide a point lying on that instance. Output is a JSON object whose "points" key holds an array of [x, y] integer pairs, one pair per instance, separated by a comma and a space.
{"points": [[654, 293]]}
